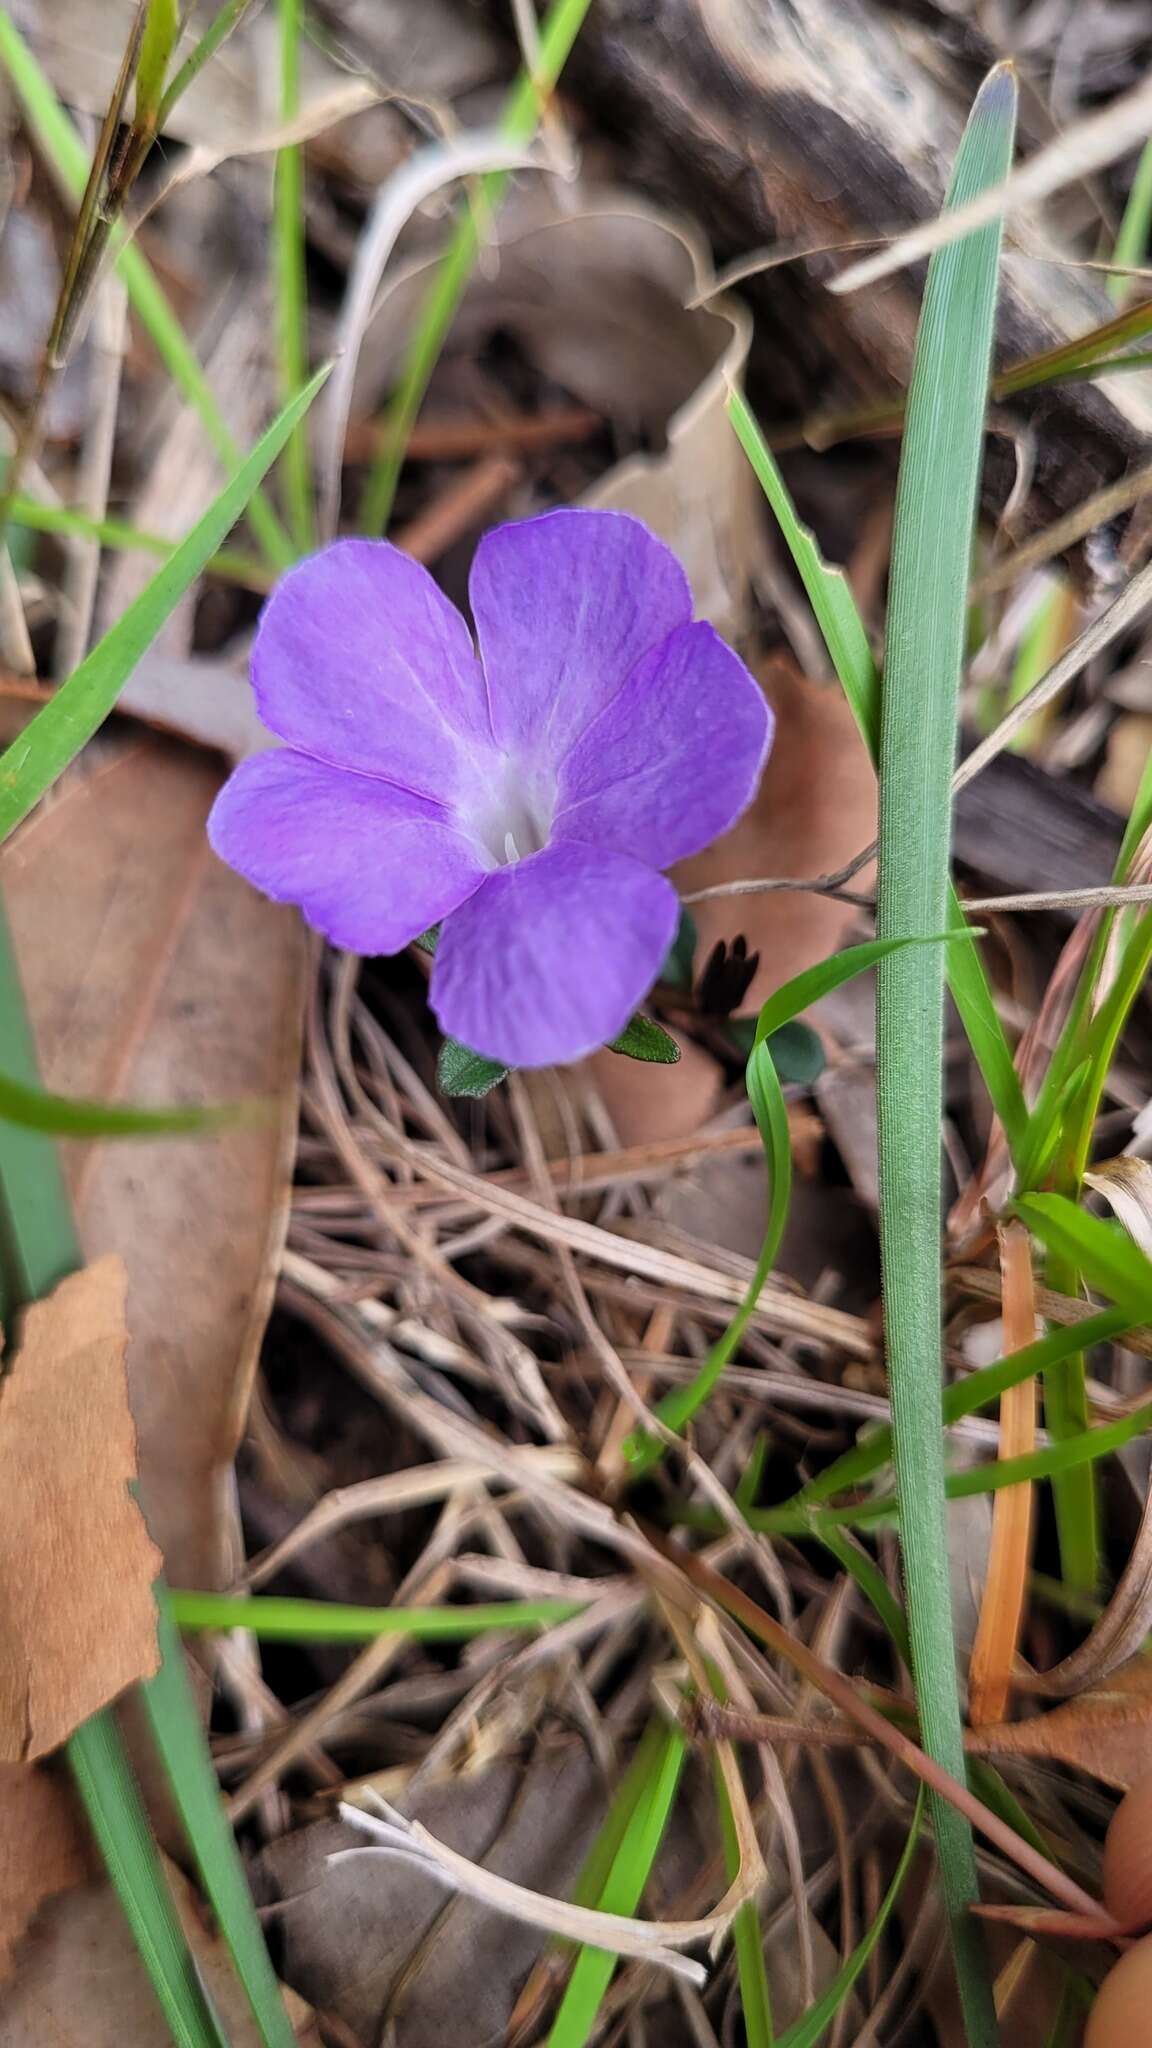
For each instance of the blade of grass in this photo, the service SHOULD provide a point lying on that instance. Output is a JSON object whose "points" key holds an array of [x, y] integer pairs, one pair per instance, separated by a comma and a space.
{"points": [[834, 609], [622, 1891], [116, 1812], [68, 1116], [931, 553], [643, 1451], [967, 1397], [57, 733], [323, 1621], [747, 1936], [178, 1735], [67, 157], [292, 285], [558, 31], [218, 30], [1132, 239], [808, 2030], [233, 566], [1102, 1251]]}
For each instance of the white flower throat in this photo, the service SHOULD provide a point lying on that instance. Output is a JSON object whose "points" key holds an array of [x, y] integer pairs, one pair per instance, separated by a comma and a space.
{"points": [[513, 818]]}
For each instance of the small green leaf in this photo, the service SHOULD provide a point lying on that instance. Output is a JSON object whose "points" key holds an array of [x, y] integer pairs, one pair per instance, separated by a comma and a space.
{"points": [[461, 1072], [678, 968], [1102, 1251], [429, 940], [644, 1040]]}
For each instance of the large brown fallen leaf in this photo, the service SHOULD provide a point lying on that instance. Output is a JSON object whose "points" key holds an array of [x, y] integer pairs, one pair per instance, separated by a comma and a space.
{"points": [[81, 1983], [155, 974], [77, 1564], [38, 1807]]}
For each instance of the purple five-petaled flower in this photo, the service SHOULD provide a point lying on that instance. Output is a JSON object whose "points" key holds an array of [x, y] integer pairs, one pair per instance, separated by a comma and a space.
{"points": [[526, 795]]}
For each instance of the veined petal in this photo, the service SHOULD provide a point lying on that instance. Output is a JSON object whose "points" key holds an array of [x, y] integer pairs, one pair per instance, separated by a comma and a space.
{"points": [[361, 661], [550, 957], [371, 866], [565, 605], [675, 757]]}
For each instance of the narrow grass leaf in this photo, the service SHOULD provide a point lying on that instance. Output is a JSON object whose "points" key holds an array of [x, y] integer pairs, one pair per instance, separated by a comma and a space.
{"points": [[115, 1810], [810, 2028], [292, 284], [161, 28], [771, 1113], [518, 123], [57, 733], [323, 1621], [927, 610], [834, 608], [622, 1891], [67, 1116], [1102, 1251], [177, 1732], [66, 155]]}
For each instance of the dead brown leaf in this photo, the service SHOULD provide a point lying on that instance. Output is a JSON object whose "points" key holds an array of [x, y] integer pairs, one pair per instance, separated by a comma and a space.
{"points": [[1106, 1732], [168, 979], [39, 1808], [815, 809], [78, 1564], [82, 1984]]}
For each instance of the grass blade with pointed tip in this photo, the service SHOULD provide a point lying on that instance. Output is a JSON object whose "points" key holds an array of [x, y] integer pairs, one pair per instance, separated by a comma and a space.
{"points": [[324, 1621], [1102, 1251], [68, 158], [927, 610], [70, 1116], [57, 733]]}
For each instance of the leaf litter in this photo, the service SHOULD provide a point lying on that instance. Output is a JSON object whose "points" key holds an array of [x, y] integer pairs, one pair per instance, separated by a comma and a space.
{"points": [[473, 1300]]}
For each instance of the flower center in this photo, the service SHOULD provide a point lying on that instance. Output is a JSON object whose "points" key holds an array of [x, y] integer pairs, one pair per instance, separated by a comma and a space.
{"points": [[513, 818]]}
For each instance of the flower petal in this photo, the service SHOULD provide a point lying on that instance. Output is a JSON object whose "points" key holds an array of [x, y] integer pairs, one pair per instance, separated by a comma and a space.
{"points": [[371, 866], [550, 957], [674, 758], [565, 605], [361, 661]]}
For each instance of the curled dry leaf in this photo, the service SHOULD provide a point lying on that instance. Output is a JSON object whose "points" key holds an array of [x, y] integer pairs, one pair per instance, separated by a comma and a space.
{"points": [[78, 1564], [1126, 1185], [1106, 1732], [168, 980]]}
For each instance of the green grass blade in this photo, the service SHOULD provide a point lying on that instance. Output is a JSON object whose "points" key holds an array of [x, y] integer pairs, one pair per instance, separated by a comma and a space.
{"points": [[292, 285], [323, 1621], [115, 1810], [834, 609], [832, 602], [865, 1573], [931, 554], [57, 733], [747, 1935], [66, 154], [161, 28], [1102, 1251], [1132, 240], [235, 567], [966, 1397], [558, 31], [622, 1891], [219, 29], [38, 1244], [810, 2028], [70, 1116], [179, 1737], [770, 1110]]}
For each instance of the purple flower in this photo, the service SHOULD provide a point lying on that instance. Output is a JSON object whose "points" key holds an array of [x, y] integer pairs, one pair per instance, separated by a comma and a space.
{"points": [[527, 797]]}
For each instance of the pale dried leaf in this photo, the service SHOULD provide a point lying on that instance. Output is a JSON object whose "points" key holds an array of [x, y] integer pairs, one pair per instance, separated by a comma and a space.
{"points": [[1126, 1185], [168, 979], [78, 1564], [1106, 1732]]}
